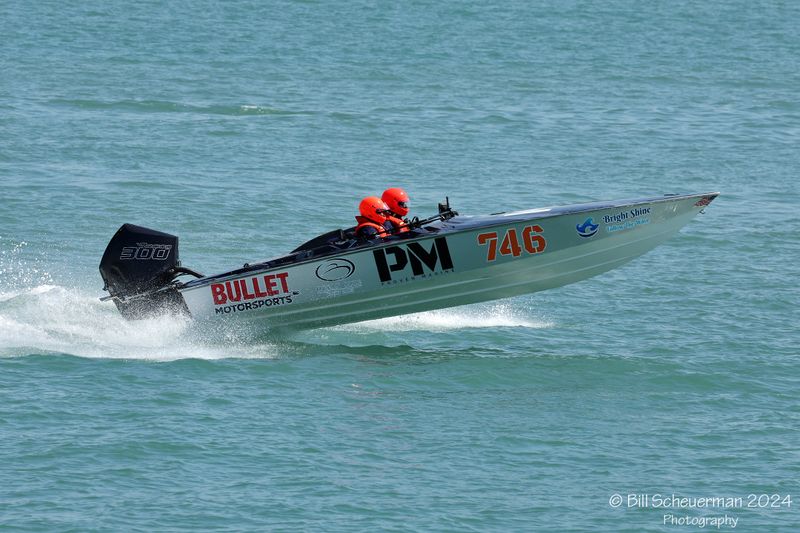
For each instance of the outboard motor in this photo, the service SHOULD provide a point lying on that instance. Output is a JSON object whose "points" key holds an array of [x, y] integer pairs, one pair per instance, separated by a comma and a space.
{"points": [[138, 268]]}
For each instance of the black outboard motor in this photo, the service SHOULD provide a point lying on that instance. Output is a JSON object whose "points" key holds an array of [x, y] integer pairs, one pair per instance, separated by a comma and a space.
{"points": [[138, 268]]}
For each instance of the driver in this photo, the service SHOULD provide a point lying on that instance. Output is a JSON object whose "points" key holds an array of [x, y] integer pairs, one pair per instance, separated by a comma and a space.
{"points": [[398, 202], [372, 222]]}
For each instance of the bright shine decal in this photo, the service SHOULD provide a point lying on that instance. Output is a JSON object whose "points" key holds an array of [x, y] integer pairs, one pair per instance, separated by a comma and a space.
{"points": [[627, 219], [588, 228]]}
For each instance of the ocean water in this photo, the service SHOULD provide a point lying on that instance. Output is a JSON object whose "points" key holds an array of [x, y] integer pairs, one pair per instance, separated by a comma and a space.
{"points": [[248, 127]]}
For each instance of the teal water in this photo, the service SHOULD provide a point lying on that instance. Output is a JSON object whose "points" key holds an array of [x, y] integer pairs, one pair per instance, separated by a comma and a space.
{"points": [[248, 127]]}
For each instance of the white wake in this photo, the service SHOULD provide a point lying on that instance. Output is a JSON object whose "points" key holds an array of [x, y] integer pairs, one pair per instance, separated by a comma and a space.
{"points": [[50, 319], [497, 315]]}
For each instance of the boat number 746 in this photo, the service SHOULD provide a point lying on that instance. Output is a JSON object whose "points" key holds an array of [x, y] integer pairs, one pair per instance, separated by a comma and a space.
{"points": [[531, 242]]}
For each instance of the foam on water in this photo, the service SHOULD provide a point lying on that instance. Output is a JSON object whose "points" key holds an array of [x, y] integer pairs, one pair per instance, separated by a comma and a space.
{"points": [[38, 315], [54, 319], [499, 315]]}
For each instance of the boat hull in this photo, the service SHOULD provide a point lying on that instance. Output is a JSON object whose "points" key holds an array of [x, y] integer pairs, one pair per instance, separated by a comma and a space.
{"points": [[463, 260]]}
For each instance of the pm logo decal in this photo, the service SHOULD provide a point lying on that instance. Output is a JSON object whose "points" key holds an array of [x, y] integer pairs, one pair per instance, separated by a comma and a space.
{"points": [[335, 270], [421, 261]]}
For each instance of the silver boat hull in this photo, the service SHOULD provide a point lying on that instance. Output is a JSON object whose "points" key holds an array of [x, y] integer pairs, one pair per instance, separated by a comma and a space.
{"points": [[463, 260]]}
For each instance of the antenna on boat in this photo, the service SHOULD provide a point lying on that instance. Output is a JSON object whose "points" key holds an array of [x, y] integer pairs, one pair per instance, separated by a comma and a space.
{"points": [[445, 211]]}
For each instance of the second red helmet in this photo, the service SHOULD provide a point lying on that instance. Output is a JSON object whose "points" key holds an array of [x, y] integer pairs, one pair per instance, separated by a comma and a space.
{"points": [[397, 200]]}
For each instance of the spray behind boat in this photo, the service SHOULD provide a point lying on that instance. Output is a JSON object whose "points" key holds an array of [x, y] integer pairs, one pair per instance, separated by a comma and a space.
{"points": [[138, 268]]}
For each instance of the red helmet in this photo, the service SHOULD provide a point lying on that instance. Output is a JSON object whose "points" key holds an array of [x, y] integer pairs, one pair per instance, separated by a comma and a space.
{"points": [[373, 209], [397, 200]]}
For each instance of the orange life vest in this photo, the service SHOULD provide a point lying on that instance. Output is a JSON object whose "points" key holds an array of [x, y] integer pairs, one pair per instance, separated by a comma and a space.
{"points": [[364, 222], [398, 223]]}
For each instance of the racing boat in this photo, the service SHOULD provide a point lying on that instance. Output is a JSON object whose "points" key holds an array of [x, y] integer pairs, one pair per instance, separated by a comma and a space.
{"points": [[443, 261]]}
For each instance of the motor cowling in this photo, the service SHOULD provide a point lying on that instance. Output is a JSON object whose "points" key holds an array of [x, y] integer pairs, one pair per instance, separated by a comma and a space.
{"points": [[138, 268]]}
